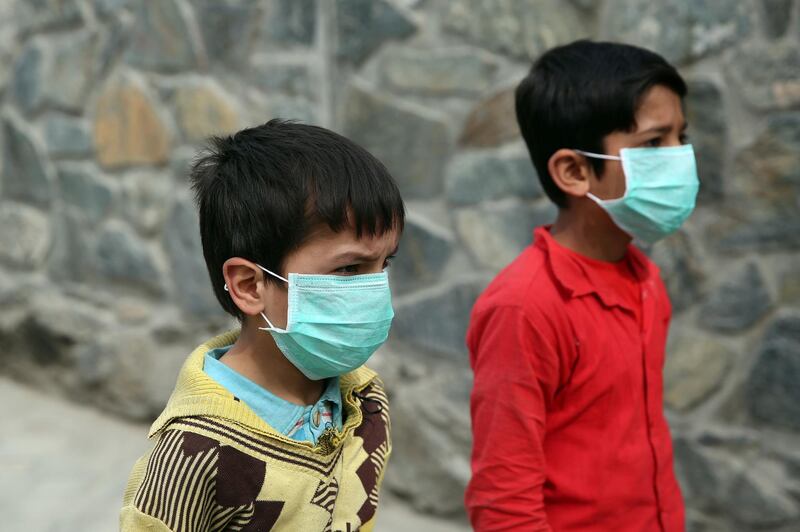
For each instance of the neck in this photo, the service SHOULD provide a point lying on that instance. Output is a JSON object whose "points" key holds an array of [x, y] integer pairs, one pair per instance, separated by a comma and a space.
{"points": [[584, 230], [256, 356]]}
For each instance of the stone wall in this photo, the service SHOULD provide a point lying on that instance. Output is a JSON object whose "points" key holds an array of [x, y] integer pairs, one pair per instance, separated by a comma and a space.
{"points": [[102, 284]]}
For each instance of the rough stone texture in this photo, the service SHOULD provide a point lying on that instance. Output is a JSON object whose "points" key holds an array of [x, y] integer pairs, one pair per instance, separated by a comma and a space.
{"points": [[436, 320], [681, 31], [491, 122], [702, 477], [69, 73], [297, 109], [81, 187], [228, 29], [696, 366], [67, 137], [192, 287], [161, 37], [73, 251], [203, 110], [476, 176], [424, 251], [495, 233], [776, 16], [145, 199], [110, 249], [773, 396], [27, 83], [737, 302], [127, 129], [767, 232], [681, 269], [41, 15], [24, 235], [768, 75], [129, 372], [123, 257], [290, 22], [291, 79], [757, 497], [449, 71], [430, 429], [25, 174], [521, 28], [363, 25], [767, 173], [705, 112], [413, 149]]}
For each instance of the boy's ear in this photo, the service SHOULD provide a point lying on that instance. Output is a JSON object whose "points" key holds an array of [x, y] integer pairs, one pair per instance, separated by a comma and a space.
{"points": [[245, 284], [570, 172]]}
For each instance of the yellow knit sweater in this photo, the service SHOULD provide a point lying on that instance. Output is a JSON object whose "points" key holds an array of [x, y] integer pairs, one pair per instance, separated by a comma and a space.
{"points": [[216, 465]]}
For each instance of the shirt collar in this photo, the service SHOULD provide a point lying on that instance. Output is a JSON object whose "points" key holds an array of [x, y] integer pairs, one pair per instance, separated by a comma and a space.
{"points": [[282, 414], [572, 272]]}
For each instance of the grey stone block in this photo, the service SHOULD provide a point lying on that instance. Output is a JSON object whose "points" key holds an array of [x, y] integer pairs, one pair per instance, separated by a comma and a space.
{"points": [[363, 25], [26, 176], [412, 142], [738, 302], [24, 236], [476, 176], [81, 187], [436, 320], [160, 38], [290, 22], [122, 256], [67, 136], [424, 251], [773, 396], [521, 28]]}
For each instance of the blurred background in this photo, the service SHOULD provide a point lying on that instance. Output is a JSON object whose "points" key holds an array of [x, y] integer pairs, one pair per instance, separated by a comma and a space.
{"points": [[103, 289]]}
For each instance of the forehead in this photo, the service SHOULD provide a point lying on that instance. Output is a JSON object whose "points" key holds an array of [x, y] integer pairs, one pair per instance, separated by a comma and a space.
{"points": [[324, 237], [660, 106]]}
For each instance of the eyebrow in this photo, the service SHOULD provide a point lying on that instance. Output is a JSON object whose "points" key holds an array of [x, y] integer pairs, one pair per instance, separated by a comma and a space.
{"points": [[663, 129], [356, 256]]}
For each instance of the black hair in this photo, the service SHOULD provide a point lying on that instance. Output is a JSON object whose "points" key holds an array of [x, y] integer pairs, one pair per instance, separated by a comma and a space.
{"points": [[578, 93], [262, 191]]}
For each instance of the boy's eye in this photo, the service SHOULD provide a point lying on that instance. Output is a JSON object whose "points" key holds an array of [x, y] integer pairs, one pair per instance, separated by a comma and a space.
{"points": [[349, 269], [653, 143]]}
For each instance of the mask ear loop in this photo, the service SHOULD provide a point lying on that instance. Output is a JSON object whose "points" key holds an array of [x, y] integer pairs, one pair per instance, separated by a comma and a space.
{"points": [[285, 280], [271, 326], [607, 158], [599, 155]]}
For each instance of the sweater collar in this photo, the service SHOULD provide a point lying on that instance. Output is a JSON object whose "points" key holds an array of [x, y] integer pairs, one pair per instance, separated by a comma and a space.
{"points": [[197, 394]]}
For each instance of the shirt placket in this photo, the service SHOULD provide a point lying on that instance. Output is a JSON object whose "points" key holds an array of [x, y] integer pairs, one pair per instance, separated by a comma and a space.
{"points": [[648, 302]]}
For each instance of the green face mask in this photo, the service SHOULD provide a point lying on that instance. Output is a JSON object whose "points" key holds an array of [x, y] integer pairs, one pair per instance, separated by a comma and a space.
{"points": [[334, 322], [661, 186]]}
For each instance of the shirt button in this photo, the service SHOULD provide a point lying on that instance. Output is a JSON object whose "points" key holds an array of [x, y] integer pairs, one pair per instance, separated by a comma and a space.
{"points": [[315, 418]]}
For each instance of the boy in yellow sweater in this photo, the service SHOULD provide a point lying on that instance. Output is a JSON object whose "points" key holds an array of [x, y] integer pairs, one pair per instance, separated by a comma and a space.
{"points": [[278, 426]]}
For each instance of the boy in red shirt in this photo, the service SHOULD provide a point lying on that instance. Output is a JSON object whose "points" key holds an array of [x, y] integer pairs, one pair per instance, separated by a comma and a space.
{"points": [[567, 343]]}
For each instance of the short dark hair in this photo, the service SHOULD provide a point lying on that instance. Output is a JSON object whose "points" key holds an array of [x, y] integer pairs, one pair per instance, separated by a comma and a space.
{"points": [[263, 190], [578, 93]]}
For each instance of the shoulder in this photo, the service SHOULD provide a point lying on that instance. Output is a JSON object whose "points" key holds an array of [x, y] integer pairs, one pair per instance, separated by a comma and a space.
{"points": [[191, 462], [527, 285]]}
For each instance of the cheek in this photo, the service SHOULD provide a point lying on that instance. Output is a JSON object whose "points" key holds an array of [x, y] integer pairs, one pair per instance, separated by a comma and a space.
{"points": [[612, 183], [277, 307]]}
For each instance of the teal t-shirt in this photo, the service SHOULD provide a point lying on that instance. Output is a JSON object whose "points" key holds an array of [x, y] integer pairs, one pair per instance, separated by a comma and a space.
{"points": [[302, 423]]}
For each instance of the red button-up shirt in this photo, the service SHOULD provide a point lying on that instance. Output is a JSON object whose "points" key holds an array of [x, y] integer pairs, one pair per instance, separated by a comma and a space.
{"points": [[568, 424]]}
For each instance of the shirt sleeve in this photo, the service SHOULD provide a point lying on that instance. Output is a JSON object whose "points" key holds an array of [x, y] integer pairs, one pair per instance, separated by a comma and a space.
{"points": [[516, 376]]}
